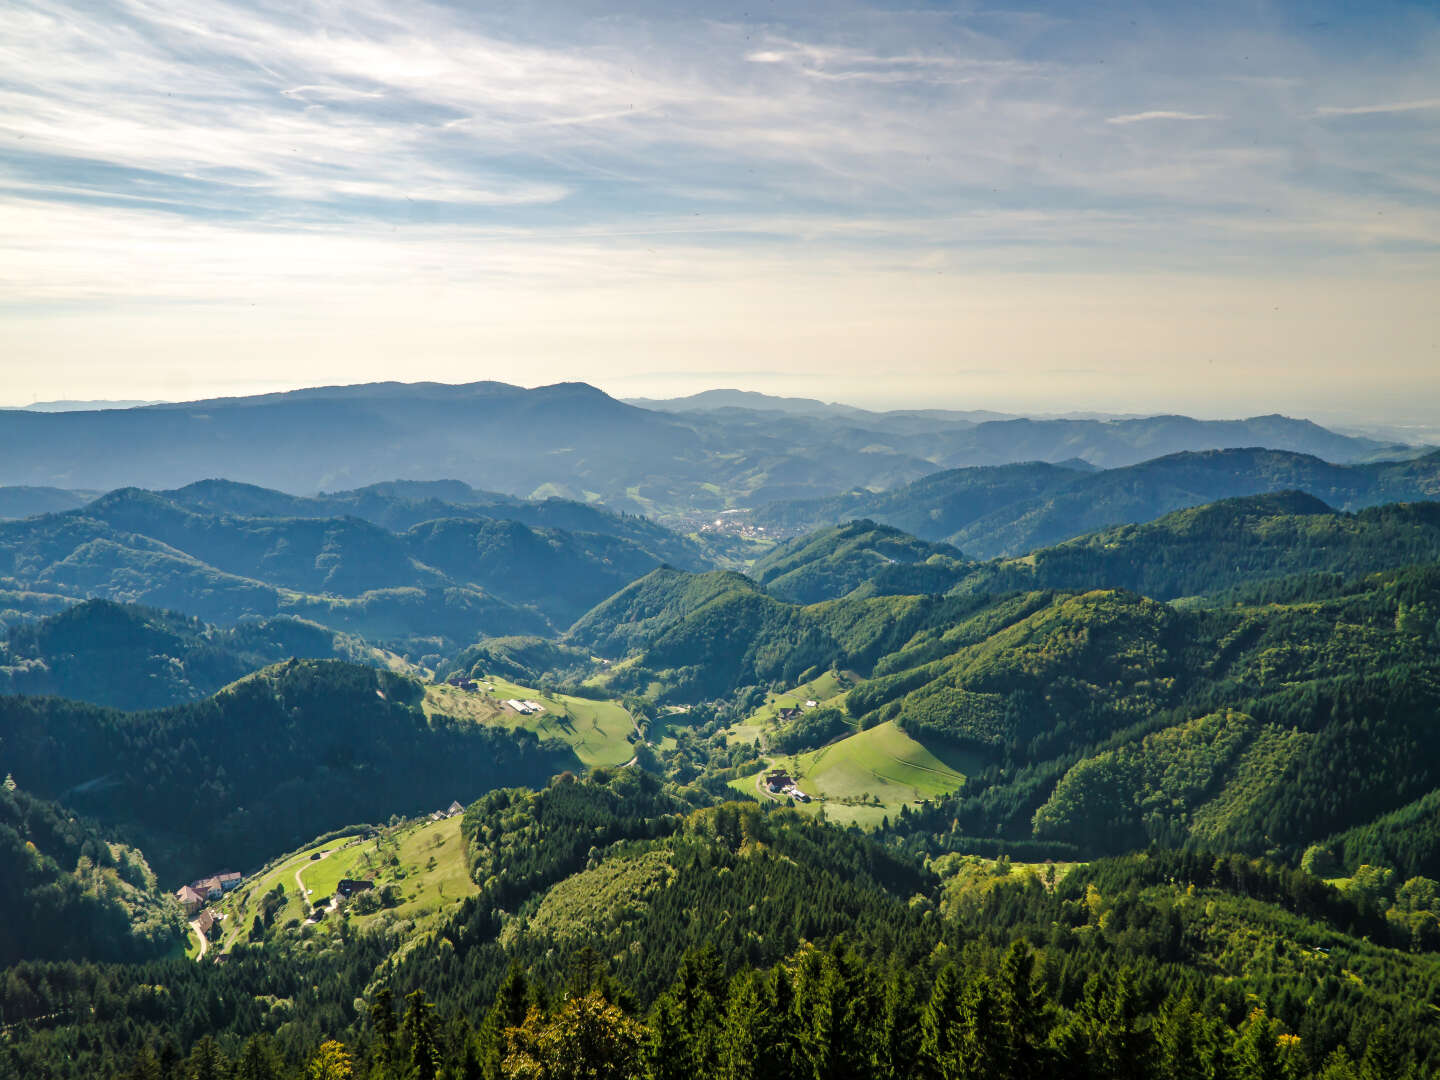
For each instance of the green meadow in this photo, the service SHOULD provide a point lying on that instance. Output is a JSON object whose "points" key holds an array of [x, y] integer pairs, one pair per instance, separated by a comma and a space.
{"points": [[829, 689], [868, 776], [597, 730], [424, 860]]}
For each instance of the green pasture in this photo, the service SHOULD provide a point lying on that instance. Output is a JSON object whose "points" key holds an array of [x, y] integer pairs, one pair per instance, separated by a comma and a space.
{"points": [[868, 776], [885, 762], [829, 689], [597, 730]]}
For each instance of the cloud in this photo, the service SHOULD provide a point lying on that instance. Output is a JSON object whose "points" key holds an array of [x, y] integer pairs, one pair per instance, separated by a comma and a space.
{"points": [[198, 148], [1367, 110], [1158, 114]]}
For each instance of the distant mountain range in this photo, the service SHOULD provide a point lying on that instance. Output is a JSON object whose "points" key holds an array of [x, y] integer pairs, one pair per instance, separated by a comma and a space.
{"points": [[1012, 509], [674, 460]]}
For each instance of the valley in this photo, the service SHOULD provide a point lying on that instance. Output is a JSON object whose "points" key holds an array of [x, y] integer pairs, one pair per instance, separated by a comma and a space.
{"points": [[522, 753]]}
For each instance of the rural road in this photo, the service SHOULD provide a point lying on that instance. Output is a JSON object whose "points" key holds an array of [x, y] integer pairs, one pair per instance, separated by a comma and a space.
{"points": [[304, 892], [195, 926]]}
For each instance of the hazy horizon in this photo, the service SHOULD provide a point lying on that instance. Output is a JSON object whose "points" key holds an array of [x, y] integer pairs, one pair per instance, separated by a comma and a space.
{"points": [[1421, 427]]}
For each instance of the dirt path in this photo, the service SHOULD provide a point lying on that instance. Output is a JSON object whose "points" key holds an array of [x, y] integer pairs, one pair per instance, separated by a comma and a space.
{"points": [[195, 927], [760, 782], [299, 884]]}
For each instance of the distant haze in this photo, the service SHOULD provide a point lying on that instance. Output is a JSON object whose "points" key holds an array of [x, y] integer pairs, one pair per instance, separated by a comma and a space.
{"points": [[1222, 209]]}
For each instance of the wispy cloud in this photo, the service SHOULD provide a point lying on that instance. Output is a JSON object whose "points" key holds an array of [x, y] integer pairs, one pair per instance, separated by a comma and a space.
{"points": [[1387, 107], [312, 152], [1158, 114]]}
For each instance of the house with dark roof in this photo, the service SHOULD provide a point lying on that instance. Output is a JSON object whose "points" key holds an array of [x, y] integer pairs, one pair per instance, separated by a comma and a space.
{"points": [[348, 887]]}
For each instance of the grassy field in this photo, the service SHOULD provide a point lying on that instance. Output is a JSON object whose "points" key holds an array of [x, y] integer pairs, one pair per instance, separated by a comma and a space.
{"points": [[240, 907], [425, 860], [597, 730], [869, 775], [829, 689]]}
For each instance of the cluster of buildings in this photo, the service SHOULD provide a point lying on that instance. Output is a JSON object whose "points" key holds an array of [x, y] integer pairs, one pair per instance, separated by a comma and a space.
{"points": [[780, 783], [450, 811], [462, 682], [525, 708], [790, 712], [200, 892]]}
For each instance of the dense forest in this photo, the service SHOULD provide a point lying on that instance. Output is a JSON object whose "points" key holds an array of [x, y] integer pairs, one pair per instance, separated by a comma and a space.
{"points": [[1010, 509], [68, 893], [130, 657], [270, 761], [769, 945]]}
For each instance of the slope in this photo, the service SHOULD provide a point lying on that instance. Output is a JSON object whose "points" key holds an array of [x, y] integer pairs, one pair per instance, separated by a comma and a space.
{"points": [[297, 748], [66, 892], [1009, 510], [131, 657], [451, 579], [1224, 544], [827, 564]]}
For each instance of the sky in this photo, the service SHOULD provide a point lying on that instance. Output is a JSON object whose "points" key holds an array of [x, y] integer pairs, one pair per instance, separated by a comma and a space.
{"points": [[1220, 209]]}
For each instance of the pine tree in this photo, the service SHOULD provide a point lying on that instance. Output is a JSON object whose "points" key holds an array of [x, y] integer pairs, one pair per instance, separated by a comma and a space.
{"points": [[205, 1061], [258, 1060], [383, 1024], [1256, 1053], [1019, 1012], [512, 1003], [420, 1034], [939, 1028], [1382, 1060]]}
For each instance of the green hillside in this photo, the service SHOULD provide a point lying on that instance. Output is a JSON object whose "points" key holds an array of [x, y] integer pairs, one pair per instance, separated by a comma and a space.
{"points": [[1223, 544], [298, 747], [422, 862], [132, 657], [599, 732], [613, 927], [446, 581], [69, 893], [827, 564], [1007, 510], [867, 777]]}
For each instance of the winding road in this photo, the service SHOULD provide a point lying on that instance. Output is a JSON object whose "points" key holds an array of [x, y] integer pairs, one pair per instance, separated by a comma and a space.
{"points": [[304, 892], [195, 927]]}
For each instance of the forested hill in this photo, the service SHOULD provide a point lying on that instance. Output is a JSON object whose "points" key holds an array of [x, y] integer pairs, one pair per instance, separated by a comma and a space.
{"points": [[398, 505], [1009, 510], [68, 893], [831, 562], [130, 657], [450, 579], [1224, 544], [294, 750], [620, 933]]}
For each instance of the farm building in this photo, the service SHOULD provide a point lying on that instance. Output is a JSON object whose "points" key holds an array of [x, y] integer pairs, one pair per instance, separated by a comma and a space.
{"points": [[190, 900]]}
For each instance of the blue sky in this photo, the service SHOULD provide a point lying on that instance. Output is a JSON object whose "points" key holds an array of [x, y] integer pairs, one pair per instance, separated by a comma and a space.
{"points": [[1214, 208]]}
